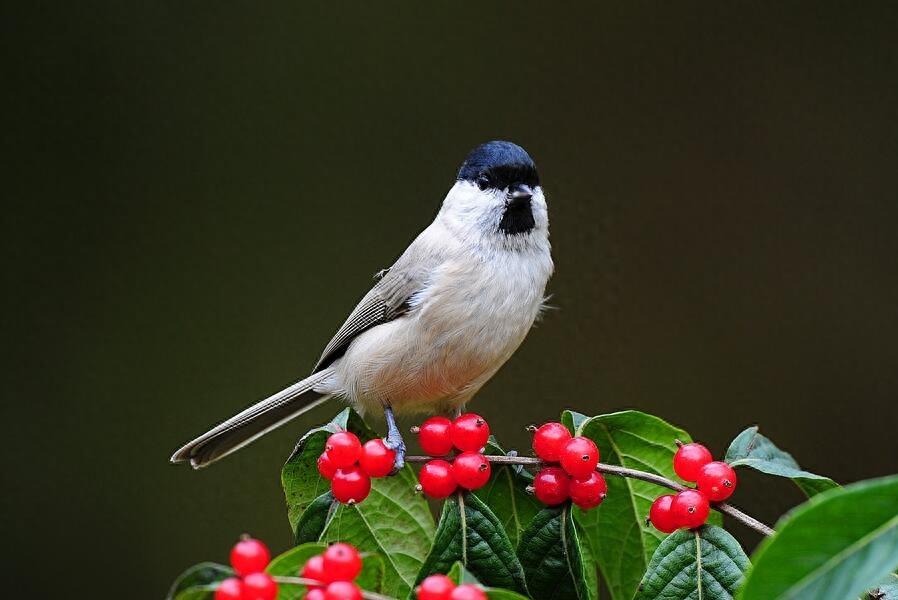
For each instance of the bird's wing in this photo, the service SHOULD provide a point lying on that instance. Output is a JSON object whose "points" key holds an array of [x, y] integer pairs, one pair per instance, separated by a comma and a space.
{"points": [[387, 300]]}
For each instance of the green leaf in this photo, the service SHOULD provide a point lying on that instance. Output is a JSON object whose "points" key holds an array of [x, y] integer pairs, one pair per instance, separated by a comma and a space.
{"points": [[199, 592], [500, 594], [573, 420], [371, 579], [837, 545], [289, 564], [470, 533], [198, 581], [702, 564], [459, 574], [506, 495], [550, 554], [393, 522], [616, 532], [812, 487], [587, 554], [314, 519], [886, 589], [751, 449], [299, 477]]}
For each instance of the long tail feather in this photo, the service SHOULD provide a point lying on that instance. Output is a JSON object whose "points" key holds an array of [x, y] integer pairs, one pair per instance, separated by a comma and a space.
{"points": [[253, 423]]}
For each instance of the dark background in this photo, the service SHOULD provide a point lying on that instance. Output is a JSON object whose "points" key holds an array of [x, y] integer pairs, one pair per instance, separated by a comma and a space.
{"points": [[196, 196]]}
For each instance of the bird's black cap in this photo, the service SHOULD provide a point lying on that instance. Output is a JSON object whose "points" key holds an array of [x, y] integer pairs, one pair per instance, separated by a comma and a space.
{"points": [[497, 165]]}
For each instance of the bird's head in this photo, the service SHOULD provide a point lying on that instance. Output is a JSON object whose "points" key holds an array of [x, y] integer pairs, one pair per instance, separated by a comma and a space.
{"points": [[497, 196]]}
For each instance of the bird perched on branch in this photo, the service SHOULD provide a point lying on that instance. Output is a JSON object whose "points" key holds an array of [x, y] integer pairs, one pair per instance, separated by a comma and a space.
{"points": [[439, 323]]}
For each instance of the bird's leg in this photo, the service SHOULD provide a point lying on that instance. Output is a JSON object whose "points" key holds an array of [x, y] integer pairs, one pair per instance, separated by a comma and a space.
{"points": [[394, 440]]}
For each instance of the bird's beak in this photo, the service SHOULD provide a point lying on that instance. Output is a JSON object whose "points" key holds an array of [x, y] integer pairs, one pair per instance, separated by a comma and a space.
{"points": [[518, 194]]}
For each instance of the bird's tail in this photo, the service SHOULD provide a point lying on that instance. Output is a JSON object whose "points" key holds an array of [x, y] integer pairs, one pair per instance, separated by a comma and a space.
{"points": [[254, 422]]}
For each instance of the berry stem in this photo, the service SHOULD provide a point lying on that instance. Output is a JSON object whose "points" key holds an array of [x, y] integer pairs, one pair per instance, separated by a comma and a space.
{"points": [[723, 507], [305, 581]]}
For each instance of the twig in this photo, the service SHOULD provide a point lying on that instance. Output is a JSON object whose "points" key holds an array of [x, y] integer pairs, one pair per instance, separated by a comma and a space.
{"points": [[723, 507], [308, 582]]}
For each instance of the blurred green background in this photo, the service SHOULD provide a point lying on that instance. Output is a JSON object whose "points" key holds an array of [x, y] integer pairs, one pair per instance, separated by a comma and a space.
{"points": [[197, 193]]}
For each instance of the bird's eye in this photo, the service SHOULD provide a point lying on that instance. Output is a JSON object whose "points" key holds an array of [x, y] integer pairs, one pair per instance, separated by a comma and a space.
{"points": [[483, 182]]}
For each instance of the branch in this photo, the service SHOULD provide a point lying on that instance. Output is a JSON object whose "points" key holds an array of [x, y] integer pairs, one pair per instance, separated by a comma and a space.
{"points": [[723, 507]]}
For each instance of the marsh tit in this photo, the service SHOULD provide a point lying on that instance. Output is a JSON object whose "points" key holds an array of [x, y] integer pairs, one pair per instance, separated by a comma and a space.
{"points": [[439, 323]]}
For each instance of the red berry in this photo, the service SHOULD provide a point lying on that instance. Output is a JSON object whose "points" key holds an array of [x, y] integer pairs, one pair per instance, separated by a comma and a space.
{"points": [[435, 587], [350, 484], [470, 432], [471, 470], [552, 486], [589, 492], [436, 479], [579, 457], [249, 556], [690, 509], [689, 460], [343, 590], [467, 591], [230, 589], [326, 467], [717, 480], [259, 586], [661, 516], [377, 459], [342, 562], [549, 441], [315, 594], [344, 449], [314, 569], [435, 436]]}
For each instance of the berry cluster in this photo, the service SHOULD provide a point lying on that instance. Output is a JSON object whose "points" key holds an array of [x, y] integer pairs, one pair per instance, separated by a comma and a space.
{"points": [[576, 479], [249, 557], [469, 469], [440, 587], [715, 482], [349, 465], [336, 570]]}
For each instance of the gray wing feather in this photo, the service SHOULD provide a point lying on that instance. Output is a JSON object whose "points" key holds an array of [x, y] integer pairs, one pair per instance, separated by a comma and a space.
{"points": [[387, 300]]}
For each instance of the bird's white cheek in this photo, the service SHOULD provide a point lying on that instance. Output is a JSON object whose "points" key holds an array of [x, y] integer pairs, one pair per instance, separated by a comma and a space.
{"points": [[468, 210], [540, 211]]}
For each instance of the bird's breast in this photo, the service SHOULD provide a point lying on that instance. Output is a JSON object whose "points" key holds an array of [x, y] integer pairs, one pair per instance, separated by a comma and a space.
{"points": [[462, 327]]}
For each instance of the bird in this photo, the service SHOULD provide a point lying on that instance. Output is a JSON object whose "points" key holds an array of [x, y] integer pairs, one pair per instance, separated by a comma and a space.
{"points": [[436, 325]]}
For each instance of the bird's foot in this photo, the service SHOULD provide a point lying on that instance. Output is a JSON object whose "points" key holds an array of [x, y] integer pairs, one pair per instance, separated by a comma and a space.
{"points": [[518, 469], [394, 440], [397, 445]]}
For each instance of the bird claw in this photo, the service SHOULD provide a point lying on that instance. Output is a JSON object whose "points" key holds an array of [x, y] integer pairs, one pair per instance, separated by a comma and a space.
{"points": [[394, 441], [397, 446], [518, 469]]}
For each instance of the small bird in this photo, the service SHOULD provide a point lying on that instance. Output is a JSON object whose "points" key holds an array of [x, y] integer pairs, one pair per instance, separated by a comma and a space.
{"points": [[439, 323]]}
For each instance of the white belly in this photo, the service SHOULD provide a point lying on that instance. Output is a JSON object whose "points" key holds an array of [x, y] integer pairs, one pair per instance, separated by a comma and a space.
{"points": [[461, 329]]}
